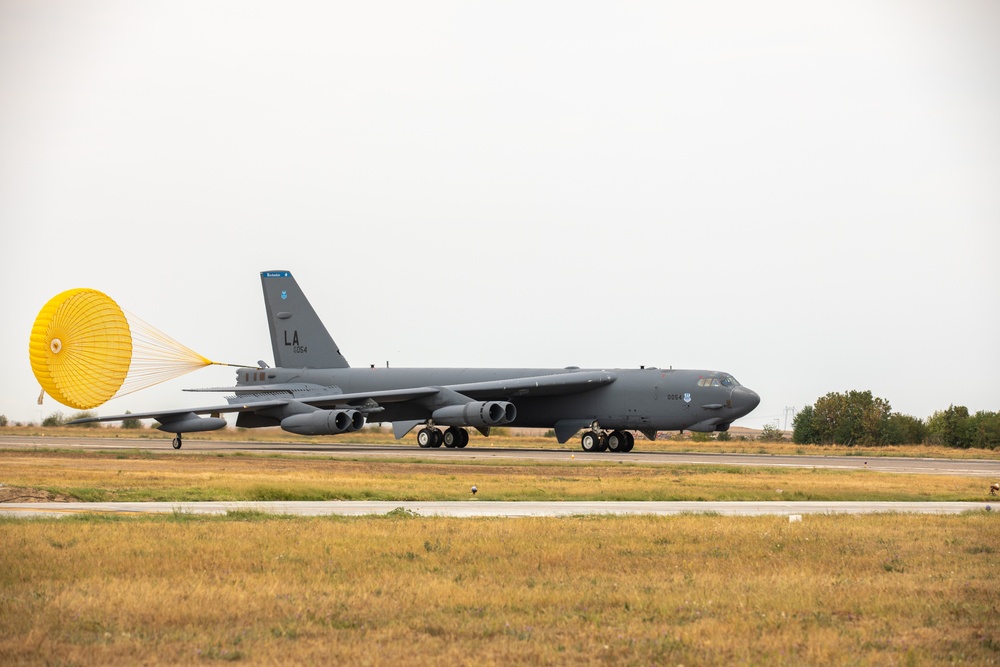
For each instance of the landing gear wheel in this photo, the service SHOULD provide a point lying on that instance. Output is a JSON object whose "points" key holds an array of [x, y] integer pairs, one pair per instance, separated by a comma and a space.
{"points": [[616, 441], [177, 442], [425, 437], [452, 437], [438, 438], [456, 437], [591, 442], [629, 441]]}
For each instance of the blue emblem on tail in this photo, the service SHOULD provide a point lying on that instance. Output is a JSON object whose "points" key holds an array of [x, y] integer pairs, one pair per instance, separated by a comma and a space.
{"points": [[284, 294]]}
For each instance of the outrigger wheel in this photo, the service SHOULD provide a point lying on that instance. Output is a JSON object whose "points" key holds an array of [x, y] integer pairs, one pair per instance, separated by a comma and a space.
{"points": [[177, 441]]}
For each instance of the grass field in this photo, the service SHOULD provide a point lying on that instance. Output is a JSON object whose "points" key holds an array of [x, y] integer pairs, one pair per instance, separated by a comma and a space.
{"points": [[403, 589], [690, 590], [142, 475]]}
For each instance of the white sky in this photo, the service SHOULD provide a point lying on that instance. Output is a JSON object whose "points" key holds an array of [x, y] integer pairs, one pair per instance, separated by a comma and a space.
{"points": [[804, 194]]}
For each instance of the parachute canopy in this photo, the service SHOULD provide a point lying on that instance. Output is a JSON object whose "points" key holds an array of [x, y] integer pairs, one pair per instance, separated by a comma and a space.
{"points": [[81, 348], [85, 350]]}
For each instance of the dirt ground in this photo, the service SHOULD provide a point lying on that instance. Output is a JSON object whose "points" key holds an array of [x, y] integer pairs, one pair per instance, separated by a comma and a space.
{"points": [[17, 494]]}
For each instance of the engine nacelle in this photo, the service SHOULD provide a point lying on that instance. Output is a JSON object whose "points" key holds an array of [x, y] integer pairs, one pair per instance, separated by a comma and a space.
{"points": [[192, 423], [476, 413], [324, 422]]}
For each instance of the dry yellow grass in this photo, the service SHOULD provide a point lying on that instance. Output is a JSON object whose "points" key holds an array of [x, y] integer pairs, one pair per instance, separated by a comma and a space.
{"points": [[170, 477], [687, 590]]}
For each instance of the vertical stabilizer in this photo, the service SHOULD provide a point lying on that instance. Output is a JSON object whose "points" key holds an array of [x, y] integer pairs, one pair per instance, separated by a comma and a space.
{"points": [[298, 337]]}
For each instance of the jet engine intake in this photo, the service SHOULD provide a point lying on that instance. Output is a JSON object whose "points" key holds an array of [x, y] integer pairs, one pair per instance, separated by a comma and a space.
{"points": [[479, 414], [324, 422]]}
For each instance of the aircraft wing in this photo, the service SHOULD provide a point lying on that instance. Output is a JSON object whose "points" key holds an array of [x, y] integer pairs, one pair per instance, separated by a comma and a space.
{"points": [[249, 405], [542, 385], [166, 415]]}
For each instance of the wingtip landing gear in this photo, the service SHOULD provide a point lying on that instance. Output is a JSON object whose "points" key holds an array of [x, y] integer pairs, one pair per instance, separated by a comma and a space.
{"points": [[177, 441]]}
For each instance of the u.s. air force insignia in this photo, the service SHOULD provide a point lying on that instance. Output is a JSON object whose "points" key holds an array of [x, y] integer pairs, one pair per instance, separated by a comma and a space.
{"points": [[687, 398], [284, 294]]}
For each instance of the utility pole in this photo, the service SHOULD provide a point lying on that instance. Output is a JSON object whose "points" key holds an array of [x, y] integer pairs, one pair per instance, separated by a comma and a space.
{"points": [[788, 410]]}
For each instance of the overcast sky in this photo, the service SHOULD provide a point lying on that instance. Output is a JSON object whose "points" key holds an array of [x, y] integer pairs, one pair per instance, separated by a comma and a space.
{"points": [[803, 194]]}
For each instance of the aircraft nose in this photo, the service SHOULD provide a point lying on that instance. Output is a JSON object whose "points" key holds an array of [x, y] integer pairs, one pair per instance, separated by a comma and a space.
{"points": [[745, 400]]}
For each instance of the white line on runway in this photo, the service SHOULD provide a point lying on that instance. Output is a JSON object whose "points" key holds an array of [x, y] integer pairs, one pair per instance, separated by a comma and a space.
{"points": [[474, 508]]}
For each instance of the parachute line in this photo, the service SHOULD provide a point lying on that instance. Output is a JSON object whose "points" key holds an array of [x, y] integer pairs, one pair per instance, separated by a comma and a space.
{"points": [[85, 350], [156, 357]]}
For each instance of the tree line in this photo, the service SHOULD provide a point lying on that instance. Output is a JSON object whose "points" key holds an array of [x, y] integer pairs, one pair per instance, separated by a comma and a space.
{"points": [[859, 418]]}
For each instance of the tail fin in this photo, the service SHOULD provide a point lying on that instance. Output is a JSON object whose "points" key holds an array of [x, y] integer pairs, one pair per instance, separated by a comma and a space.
{"points": [[298, 337]]}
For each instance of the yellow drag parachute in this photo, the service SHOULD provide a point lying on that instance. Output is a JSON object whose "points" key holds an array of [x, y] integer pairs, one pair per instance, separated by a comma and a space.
{"points": [[81, 348], [85, 350]]}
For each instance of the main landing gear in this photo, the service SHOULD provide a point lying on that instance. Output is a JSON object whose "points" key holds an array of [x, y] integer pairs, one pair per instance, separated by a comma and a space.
{"points": [[453, 438], [596, 440]]}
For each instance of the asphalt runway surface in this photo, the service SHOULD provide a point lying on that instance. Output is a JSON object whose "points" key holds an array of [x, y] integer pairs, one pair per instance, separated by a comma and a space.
{"points": [[921, 466], [474, 508]]}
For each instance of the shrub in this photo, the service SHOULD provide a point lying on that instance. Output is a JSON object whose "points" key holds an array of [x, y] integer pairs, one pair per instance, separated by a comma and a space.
{"points": [[131, 422], [771, 433], [54, 419], [84, 415]]}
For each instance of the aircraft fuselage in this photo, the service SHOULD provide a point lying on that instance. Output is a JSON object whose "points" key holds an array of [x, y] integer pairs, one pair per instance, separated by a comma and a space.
{"points": [[648, 399]]}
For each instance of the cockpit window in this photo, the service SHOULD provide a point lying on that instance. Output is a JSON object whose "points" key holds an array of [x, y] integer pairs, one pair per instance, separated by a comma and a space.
{"points": [[724, 381]]}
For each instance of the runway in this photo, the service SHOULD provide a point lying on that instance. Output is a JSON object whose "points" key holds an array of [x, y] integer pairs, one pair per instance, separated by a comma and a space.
{"points": [[921, 466], [473, 508]]}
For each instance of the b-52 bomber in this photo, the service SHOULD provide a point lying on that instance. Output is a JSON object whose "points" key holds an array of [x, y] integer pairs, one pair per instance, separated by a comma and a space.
{"points": [[314, 391]]}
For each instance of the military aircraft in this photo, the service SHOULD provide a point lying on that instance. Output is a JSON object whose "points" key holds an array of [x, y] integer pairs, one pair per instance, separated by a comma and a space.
{"points": [[314, 391]]}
